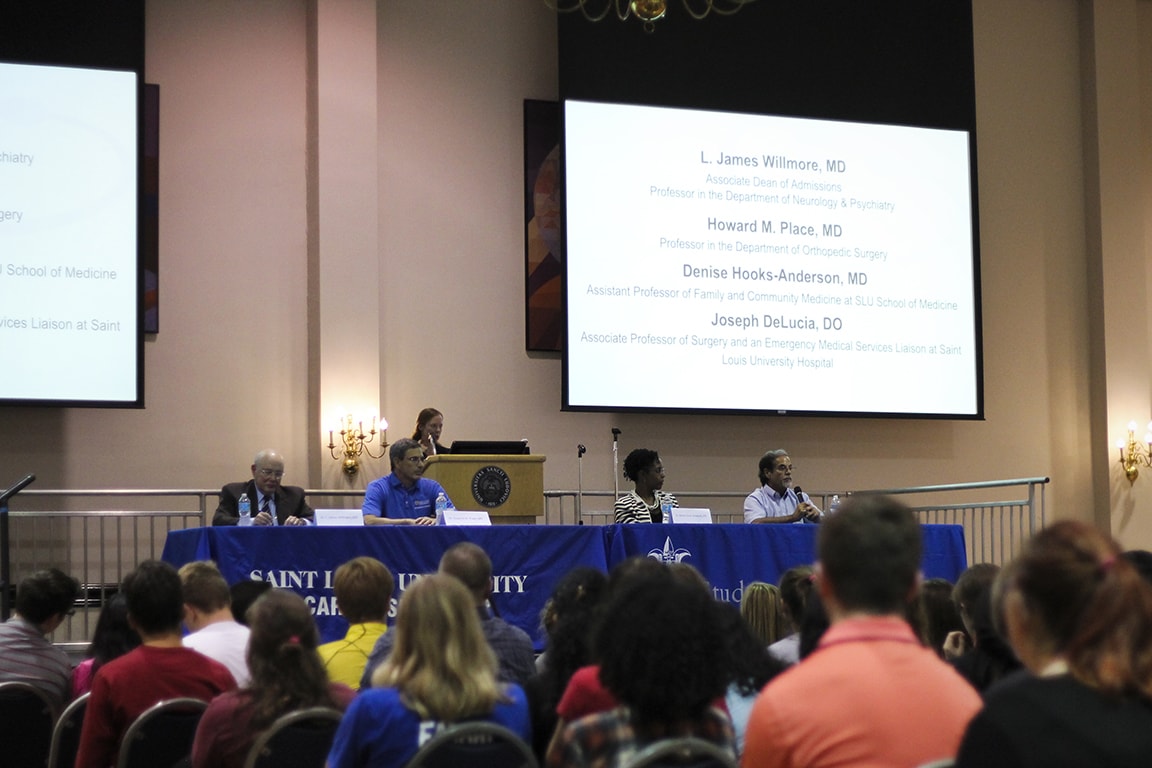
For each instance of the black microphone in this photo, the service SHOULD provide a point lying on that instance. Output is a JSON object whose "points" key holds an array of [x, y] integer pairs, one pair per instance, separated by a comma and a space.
{"points": [[580, 450], [615, 434], [799, 496]]}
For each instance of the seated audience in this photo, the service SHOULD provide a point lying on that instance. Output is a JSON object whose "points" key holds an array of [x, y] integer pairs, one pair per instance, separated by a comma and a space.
{"points": [[208, 617], [363, 589], [871, 695], [752, 666], [244, 593], [271, 502], [937, 614], [112, 638], [813, 624], [645, 503], [429, 425], [988, 658], [160, 668], [404, 497], [567, 620], [441, 671], [515, 654], [763, 610], [795, 586], [286, 676], [661, 649], [776, 501], [43, 600], [1079, 617]]}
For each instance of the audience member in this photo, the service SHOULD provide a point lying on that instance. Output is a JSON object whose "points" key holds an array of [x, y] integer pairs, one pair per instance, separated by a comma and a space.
{"points": [[363, 589], [752, 666], [429, 425], [938, 616], [775, 501], [870, 694], [112, 638], [567, 622], [989, 658], [287, 676], [441, 671], [271, 502], [160, 668], [244, 593], [644, 504], [661, 649], [43, 601], [813, 624], [208, 617], [1141, 559], [1079, 617], [795, 586], [404, 497], [763, 610], [470, 564]]}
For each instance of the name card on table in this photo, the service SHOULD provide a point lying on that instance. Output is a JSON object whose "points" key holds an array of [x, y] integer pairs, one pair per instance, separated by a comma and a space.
{"points": [[695, 515], [339, 517], [464, 517]]}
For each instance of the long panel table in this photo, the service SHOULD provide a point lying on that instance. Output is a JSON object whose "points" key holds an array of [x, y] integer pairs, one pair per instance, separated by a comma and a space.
{"points": [[527, 560]]}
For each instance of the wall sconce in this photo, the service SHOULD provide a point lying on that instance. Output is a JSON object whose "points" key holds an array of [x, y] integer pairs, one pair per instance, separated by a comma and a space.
{"points": [[354, 441], [1133, 454]]}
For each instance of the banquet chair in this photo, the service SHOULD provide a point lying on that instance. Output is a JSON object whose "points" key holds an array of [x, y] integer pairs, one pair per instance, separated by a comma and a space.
{"points": [[296, 740], [26, 717], [476, 745], [162, 735]]}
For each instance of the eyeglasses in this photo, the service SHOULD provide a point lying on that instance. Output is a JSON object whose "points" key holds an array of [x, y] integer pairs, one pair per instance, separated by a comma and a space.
{"points": [[276, 473], [415, 459]]}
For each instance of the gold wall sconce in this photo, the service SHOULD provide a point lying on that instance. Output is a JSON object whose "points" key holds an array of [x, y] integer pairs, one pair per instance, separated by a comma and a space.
{"points": [[1134, 454], [354, 441]]}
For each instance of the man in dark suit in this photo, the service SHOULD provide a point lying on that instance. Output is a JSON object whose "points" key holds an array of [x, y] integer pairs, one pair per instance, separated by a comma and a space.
{"points": [[272, 503]]}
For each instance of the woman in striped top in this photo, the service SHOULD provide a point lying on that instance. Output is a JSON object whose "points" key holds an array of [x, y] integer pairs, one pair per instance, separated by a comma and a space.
{"points": [[644, 505]]}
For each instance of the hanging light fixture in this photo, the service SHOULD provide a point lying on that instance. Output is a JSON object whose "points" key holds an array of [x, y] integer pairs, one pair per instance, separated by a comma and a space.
{"points": [[647, 11]]}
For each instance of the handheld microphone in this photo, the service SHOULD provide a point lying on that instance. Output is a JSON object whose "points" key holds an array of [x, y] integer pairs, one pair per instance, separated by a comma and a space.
{"points": [[799, 494]]}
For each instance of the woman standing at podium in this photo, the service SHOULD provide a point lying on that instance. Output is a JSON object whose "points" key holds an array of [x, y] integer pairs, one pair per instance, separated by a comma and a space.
{"points": [[646, 503], [429, 425]]}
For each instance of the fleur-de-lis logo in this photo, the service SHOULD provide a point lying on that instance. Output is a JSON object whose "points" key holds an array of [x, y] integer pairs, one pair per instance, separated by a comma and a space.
{"points": [[669, 554]]}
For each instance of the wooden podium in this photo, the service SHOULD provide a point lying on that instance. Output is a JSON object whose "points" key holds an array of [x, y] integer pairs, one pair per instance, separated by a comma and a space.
{"points": [[509, 488]]}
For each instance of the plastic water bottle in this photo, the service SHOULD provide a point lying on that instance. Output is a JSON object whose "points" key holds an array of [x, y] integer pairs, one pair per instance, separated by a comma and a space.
{"points": [[834, 504], [666, 511], [245, 510], [441, 505]]}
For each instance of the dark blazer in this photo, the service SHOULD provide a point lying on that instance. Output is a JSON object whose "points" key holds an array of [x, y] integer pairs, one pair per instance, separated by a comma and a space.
{"points": [[289, 502]]}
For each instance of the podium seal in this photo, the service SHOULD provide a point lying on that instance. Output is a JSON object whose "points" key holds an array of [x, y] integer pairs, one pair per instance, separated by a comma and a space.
{"points": [[491, 486]]}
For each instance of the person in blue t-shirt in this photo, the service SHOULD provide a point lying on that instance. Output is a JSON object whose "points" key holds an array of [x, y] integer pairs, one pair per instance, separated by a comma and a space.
{"points": [[404, 497]]}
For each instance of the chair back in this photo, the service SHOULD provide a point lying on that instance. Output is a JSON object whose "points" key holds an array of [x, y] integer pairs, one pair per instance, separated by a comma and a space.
{"points": [[476, 745], [947, 762], [162, 735], [682, 752], [26, 717], [66, 734], [296, 740]]}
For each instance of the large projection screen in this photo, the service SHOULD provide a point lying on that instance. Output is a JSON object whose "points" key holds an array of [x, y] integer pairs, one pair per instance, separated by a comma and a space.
{"points": [[69, 280], [752, 263]]}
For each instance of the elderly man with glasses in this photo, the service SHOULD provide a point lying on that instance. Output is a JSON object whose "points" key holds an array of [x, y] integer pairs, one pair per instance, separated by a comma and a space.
{"points": [[271, 502], [404, 497]]}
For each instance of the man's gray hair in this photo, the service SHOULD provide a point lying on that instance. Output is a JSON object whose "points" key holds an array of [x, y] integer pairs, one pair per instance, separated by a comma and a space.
{"points": [[401, 447]]}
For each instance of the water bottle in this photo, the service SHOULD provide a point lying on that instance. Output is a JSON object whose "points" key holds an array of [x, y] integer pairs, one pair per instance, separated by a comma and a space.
{"points": [[245, 510], [834, 504], [441, 505], [666, 510]]}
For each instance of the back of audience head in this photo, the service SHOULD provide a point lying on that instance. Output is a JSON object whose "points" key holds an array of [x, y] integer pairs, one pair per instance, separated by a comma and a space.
{"points": [[1141, 560], [971, 598], [869, 555], [795, 586], [287, 673], [113, 636], [567, 621], [440, 661], [813, 624], [243, 594], [938, 615], [469, 564], [762, 607], [657, 646], [204, 587], [1071, 595], [751, 666], [155, 599], [363, 588], [46, 595]]}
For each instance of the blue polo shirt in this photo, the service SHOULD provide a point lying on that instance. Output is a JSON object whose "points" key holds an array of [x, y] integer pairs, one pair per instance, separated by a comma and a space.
{"points": [[387, 497]]}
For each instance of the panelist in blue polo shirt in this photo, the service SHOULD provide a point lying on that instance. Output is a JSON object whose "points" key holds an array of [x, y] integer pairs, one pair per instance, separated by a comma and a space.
{"points": [[404, 497]]}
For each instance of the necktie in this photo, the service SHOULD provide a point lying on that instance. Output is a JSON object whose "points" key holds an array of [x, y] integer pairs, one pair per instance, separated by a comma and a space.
{"points": [[266, 506]]}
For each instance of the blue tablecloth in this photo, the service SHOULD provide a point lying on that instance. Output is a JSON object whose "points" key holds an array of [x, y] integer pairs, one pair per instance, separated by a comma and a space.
{"points": [[527, 560]]}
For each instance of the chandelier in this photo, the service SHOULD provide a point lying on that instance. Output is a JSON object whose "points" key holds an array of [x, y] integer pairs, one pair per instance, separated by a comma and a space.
{"points": [[648, 11]]}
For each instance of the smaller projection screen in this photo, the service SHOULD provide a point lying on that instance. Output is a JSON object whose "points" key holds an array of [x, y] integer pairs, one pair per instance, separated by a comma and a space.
{"points": [[69, 279], [745, 262]]}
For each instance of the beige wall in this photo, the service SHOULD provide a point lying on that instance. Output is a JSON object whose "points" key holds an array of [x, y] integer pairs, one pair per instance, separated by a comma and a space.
{"points": [[267, 248]]}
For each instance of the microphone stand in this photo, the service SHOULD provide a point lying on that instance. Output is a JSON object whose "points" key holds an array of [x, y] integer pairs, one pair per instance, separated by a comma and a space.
{"points": [[616, 461], [5, 555], [580, 451]]}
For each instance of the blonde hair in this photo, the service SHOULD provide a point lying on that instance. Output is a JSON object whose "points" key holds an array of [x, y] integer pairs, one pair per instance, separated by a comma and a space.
{"points": [[763, 609], [441, 663]]}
